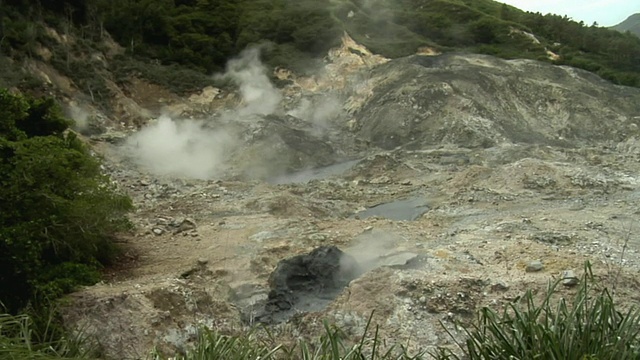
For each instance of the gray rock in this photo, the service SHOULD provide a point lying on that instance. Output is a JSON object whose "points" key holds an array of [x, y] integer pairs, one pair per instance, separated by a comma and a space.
{"points": [[185, 225], [519, 108], [163, 221], [263, 236], [553, 237], [569, 278], [534, 266], [500, 286], [397, 260], [158, 231], [308, 281], [381, 180], [318, 237]]}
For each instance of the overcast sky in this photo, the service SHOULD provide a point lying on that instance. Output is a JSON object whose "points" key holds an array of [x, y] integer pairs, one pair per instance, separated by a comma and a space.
{"points": [[605, 12]]}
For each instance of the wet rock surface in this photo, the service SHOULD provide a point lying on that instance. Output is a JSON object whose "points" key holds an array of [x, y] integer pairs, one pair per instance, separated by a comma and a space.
{"points": [[307, 282], [404, 209]]}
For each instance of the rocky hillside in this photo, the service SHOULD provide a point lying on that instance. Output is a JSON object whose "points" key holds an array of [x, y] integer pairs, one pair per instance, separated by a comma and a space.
{"points": [[482, 101], [450, 182], [419, 184], [631, 24]]}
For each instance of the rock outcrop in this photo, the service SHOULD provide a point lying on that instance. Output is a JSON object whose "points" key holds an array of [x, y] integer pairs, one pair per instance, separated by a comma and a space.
{"points": [[482, 101]]}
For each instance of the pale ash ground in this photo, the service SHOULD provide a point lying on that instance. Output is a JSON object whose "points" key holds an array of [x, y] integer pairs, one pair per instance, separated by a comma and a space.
{"points": [[491, 212]]}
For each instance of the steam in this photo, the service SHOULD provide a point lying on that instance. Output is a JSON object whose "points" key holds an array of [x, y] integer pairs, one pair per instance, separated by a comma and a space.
{"points": [[185, 148], [371, 246], [79, 116], [193, 149], [208, 148], [318, 111], [258, 93]]}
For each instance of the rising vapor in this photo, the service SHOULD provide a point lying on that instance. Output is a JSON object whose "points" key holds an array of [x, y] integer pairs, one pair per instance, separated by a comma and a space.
{"points": [[259, 96], [193, 149], [181, 148]]}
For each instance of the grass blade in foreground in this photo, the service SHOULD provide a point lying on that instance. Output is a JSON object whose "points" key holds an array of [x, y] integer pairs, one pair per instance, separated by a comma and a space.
{"points": [[589, 327]]}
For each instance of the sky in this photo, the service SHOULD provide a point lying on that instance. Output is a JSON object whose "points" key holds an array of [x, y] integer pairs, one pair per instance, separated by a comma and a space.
{"points": [[605, 12]]}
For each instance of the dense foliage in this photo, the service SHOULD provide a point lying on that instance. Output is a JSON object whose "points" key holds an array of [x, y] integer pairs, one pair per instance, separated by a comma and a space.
{"points": [[204, 34], [59, 212]]}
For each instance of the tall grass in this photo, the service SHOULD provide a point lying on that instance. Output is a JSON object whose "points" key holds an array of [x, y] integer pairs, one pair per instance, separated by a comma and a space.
{"points": [[20, 340], [587, 327], [332, 345]]}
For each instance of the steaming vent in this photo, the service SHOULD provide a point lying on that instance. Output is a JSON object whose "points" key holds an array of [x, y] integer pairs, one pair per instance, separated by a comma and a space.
{"points": [[307, 282]]}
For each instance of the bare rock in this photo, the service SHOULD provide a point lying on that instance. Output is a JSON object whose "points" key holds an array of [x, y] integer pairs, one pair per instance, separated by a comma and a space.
{"points": [[569, 278], [185, 225], [419, 104], [534, 266], [500, 286]]}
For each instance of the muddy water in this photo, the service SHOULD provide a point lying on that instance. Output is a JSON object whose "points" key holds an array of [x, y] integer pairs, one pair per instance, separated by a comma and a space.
{"points": [[406, 209], [305, 176]]}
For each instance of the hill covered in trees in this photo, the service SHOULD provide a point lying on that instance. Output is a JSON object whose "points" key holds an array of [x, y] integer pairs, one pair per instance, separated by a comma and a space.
{"points": [[203, 34], [631, 24]]}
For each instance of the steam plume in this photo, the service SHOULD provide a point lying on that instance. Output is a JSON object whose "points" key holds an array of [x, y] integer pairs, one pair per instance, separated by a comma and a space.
{"points": [[184, 148], [369, 247], [319, 111], [191, 149], [258, 93], [79, 116]]}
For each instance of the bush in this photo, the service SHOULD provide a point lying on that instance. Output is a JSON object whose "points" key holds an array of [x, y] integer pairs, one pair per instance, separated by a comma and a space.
{"points": [[180, 80], [20, 339], [589, 327], [60, 213]]}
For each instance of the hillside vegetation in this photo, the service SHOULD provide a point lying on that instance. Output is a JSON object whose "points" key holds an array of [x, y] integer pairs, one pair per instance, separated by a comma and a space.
{"points": [[59, 215], [631, 24], [203, 34]]}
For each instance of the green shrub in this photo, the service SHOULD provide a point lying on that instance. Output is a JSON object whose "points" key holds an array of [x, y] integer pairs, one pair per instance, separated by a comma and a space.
{"points": [[20, 338], [60, 213], [178, 79], [587, 327]]}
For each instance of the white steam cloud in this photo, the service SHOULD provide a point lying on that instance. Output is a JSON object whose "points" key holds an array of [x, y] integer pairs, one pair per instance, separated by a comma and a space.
{"points": [[258, 93], [319, 111], [371, 247], [208, 148], [79, 116], [185, 148], [190, 148]]}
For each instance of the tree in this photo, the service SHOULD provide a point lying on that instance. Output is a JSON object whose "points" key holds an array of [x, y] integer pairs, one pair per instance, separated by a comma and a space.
{"points": [[59, 213]]}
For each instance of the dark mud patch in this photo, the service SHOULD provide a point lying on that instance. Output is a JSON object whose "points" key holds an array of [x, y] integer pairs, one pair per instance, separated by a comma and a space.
{"points": [[306, 283]]}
